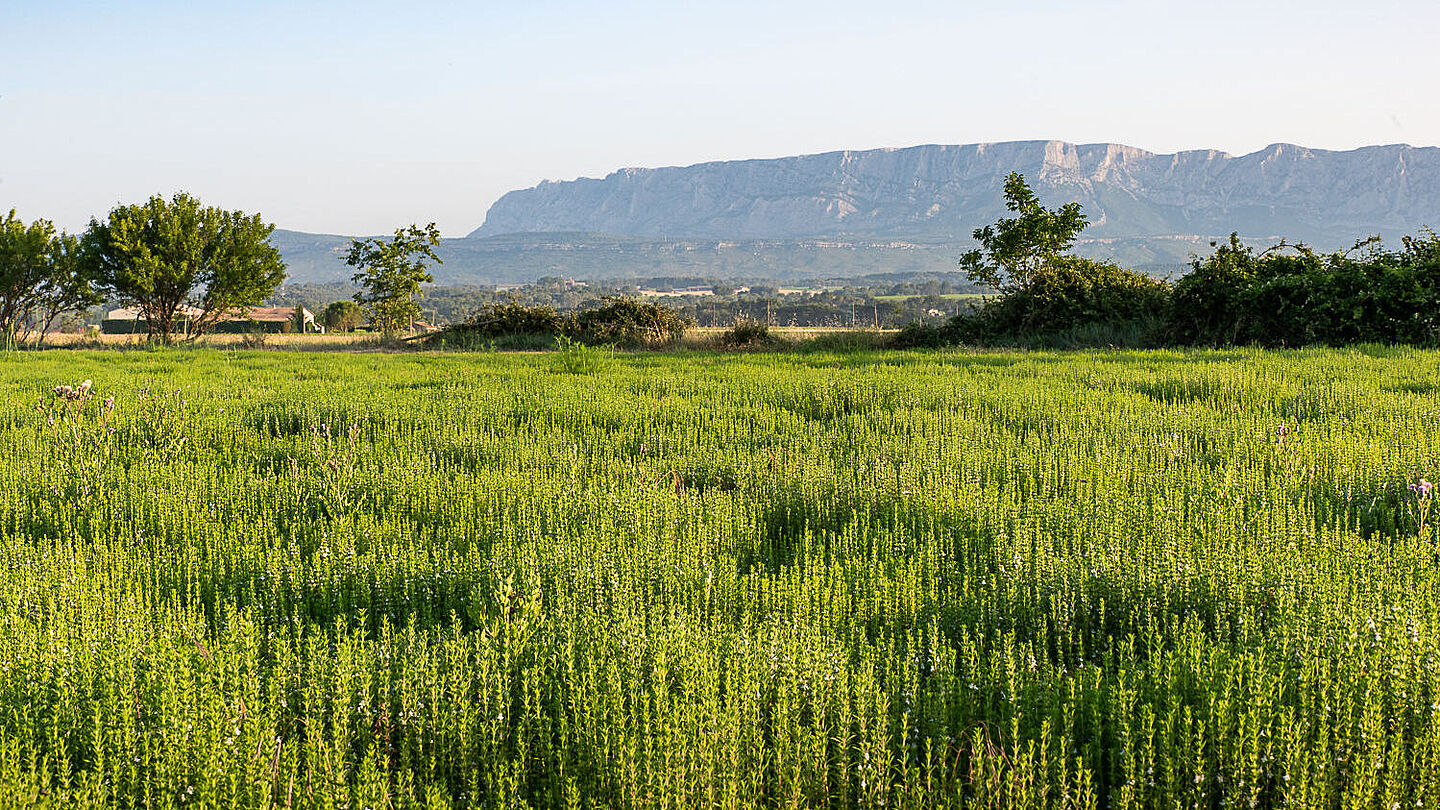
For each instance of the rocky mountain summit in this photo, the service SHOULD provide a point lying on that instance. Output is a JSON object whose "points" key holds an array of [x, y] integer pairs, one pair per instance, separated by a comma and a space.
{"points": [[937, 193]]}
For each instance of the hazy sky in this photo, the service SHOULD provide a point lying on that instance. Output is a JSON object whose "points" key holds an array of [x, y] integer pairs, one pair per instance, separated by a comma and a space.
{"points": [[359, 117]]}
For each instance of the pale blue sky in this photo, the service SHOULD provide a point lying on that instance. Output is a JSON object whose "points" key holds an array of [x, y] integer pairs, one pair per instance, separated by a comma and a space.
{"points": [[360, 117]]}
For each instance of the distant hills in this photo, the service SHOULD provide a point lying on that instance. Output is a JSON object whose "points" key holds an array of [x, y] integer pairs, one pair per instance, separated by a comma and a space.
{"points": [[842, 214]]}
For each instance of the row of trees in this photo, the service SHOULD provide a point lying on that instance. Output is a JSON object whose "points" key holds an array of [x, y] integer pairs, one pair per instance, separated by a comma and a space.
{"points": [[179, 262], [1288, 295], [41, 278]]}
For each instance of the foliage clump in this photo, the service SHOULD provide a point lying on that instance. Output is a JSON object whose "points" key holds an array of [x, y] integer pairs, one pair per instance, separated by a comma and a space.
{"points": [[41, 278], [629, 322], [185, 265], [1048, 295], [1072, 298], [342, 316], [513, 318], [1292, 296], [617, 321], [390, 272], [749, 333], [1288, 295]]}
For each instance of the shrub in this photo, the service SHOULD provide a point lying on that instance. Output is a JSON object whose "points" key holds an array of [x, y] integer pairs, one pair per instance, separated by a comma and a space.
{"points": [[1205, 303], [917, 335], [748, 333], [507, 325], [342, 316], [1299, 297], [1070, 296], [617, 321], [1047, 293], [630, 322], [514, 318]]}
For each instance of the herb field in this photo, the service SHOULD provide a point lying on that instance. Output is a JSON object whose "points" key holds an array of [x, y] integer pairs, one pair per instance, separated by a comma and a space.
{"points": [[1192, 580]]}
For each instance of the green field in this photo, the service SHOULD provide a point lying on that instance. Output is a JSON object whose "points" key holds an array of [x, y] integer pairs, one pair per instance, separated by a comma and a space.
{"points": [[692, 580]]}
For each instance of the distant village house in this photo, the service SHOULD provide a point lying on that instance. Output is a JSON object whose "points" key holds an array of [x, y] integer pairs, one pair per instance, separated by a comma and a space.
{"points": [[130, 321]]}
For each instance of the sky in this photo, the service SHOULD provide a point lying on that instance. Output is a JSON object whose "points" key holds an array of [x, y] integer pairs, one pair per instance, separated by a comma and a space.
{"points": [[360, 117]]}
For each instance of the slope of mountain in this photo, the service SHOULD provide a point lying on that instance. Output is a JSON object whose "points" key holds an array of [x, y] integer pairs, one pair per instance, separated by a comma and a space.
{"points": [[941, 193]]}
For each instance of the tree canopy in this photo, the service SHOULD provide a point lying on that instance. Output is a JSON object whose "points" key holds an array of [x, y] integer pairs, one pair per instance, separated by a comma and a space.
{"points": [[160, 256], [390, 272], [1015, 249], [342, 316], [40, 278]]}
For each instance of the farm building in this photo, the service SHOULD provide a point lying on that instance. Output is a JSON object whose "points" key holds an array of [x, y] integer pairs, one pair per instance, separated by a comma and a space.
{"points": [[130, 321]]}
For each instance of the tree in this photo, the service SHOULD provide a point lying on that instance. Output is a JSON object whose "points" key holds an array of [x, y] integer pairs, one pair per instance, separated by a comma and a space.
{"points": [[1014, 250], [390, 273], [40, 278], [163, 255], [342, 316]]}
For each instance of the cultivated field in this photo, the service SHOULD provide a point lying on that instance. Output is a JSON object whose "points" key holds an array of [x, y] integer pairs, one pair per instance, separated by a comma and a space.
{"points": [[855, 580]]}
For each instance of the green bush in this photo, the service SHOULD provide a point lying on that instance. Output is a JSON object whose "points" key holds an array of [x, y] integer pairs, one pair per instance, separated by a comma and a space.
{"points": [[917, 335], [748, 333], [1204, 304], [1069, 296], [1298, 298], [629, 322], [844, 341], [624, 322], [342, 316], [514, 318], [510, 325]]}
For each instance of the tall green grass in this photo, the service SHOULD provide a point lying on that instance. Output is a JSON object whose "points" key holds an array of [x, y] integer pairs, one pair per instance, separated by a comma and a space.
{"points": [[832, 579]]}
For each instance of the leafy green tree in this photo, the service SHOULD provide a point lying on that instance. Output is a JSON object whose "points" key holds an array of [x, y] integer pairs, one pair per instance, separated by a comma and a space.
{"points": [[1014, 250], [390, 273], [342, 316], [40, 278], [162, 255]]}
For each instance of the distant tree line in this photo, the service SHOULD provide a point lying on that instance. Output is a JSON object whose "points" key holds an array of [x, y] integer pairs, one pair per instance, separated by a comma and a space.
{"points": [[886, 305], [185, 267], [172, 260], [1288, 295]]}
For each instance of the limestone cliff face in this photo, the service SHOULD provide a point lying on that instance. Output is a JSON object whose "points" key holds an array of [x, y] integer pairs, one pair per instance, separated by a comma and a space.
{"points": [[930, 193]]}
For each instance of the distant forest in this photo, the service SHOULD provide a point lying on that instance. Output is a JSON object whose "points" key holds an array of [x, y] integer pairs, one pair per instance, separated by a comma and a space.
{"points": [[886, 302]]}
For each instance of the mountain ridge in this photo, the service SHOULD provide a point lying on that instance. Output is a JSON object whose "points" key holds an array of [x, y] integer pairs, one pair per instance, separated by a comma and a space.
{"points": [[940, 192]]}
